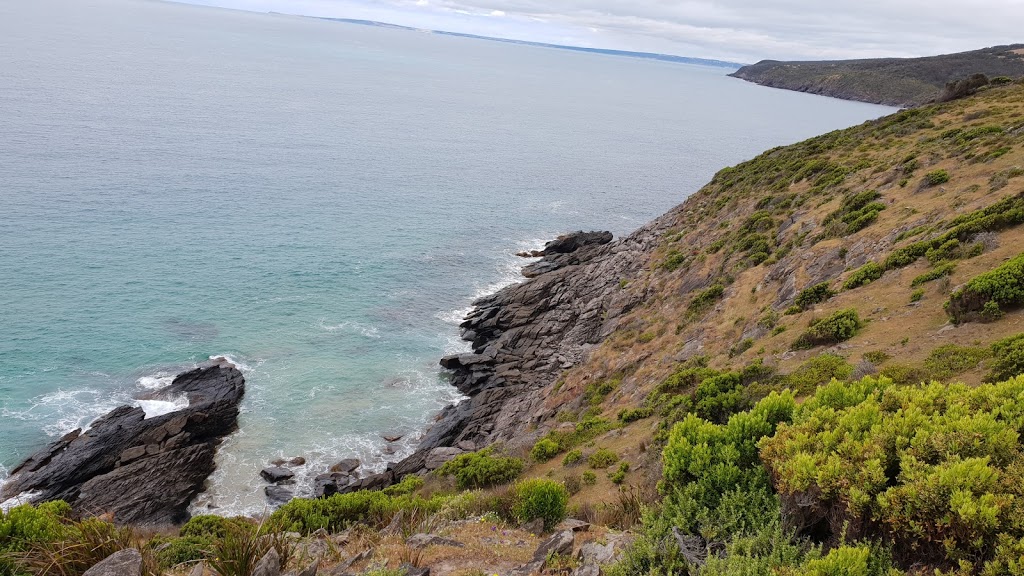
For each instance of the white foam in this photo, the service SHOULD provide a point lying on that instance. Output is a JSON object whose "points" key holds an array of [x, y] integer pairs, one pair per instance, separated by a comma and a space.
{"points": [[23, 498], [242, 366], [368, 331], [157, 381], [154, 408]]}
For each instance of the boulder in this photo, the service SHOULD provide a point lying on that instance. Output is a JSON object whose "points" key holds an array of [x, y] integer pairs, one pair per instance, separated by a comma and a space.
{"points": [[275, 474], [425, 540], [559, 543], [143, 471], [278, 494], [346, 466], [440, 456], [126, 562], [410, 570], [269, 565]]}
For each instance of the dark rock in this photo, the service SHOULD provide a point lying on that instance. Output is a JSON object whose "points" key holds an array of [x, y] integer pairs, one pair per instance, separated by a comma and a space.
{"points": [[576, 240], [126, 562], [326, 485], [425, 540], [574, 525], [142, 471], [276, 474], [346, 466], [297, 461], [560, 544], [278, 494], [439, 457], [394, 438], [310, 570], [269, 565], [535, 526]]}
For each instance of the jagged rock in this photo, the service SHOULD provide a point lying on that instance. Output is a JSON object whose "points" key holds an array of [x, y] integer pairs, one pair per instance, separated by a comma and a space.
{"points": [[410, 570], [528, 569], [297, 461], [126, 562], [535, 526], [424, 540], [276, 474], [269, 565], [439, 457], [342, 569], [334, 483], [278, 494], [143, 471], [198, 570], [574, 525], [587, 570], [593, 553], [346, 466], [310, 570], [560, 543]]}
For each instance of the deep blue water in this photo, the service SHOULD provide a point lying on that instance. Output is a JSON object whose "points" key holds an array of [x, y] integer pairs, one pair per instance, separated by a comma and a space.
{"points": [[319, 201]]}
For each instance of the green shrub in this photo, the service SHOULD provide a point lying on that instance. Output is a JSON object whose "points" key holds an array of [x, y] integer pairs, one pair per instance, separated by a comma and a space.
{"points": [[589, 478], [602, 458], [905, 374], [673, 261], [936, 177], [341, 511], [793, 310], [619, 476], [1008, 358], [209, 526], [633, 414], [860, 560], [812, 295], [1003, 286], [866, 274], [539, 498], [951, 360], [877, 356], [817, 371], [596, 392], [939, 271], [917, 295], [25, 526], [840, 326], [704, 299], [934, 467], [545, 449], [572, 458], [409, 484], [482, 470], [181, 550], [741, 347], [589, 428]]}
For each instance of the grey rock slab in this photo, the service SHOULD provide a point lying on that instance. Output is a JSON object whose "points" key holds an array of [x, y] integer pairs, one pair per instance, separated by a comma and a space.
{"points": [[269, 565], [425, 540], [126, 562], [559, 543], [276, 474]]}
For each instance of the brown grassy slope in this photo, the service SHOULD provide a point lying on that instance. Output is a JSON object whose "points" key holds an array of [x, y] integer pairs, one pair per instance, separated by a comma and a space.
{"points": [[783, 199]]}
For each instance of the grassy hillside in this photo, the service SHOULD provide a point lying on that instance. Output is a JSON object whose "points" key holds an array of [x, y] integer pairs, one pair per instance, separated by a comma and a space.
{"points": [[761, 412], [893, 81]]}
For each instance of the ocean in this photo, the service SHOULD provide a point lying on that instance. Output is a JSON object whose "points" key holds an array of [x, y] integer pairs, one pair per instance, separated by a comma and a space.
{"points": [[318, 201]]}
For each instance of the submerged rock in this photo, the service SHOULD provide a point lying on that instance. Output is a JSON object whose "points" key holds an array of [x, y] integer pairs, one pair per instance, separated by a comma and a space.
{"points": [[275, 474], [142, 471]]}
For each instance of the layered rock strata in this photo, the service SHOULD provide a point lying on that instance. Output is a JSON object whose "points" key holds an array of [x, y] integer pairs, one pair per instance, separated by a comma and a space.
{"points": [[143, 471]]}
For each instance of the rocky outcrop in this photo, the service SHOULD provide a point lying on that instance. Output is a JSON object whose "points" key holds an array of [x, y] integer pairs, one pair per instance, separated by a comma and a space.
{"points": [[524, 335], [143, 471]]}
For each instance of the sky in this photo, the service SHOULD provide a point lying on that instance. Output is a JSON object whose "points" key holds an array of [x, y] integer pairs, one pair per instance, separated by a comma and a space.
{"points": [[737, 30]]}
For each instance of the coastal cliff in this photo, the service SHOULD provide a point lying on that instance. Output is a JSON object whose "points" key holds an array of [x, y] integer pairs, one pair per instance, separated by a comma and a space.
{"points": [[902, 82]]}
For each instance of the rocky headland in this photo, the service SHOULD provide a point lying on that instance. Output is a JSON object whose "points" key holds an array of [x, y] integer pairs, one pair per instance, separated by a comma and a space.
{"points": [[141, 471]]}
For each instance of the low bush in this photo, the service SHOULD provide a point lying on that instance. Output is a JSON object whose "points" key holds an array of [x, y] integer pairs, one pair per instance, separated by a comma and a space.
{"points": [[864, 275], [545, 449], [629, 415], [483, 470], [409, 484], [704, 299], [939, 271], [817, 371], [812, 295], [572, 458], [209, 526], [539, 498], [833, 329], [589, 478], [933, 468], [23, 527], [905, 374], [1007, 358], [1003, 286], [951, 360], [936, 177], [341, 511], [602, 458]]}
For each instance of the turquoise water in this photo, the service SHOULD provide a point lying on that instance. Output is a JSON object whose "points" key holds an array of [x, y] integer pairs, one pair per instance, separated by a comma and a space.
{"points": [[318, 201]]}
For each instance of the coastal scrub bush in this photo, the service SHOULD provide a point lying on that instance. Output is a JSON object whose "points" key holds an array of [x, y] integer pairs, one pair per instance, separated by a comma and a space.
{"points": [[705, 298], [1004, 286], [545, 449], [936, 177], [817, 371], [866, 274], [596, 392], [341, 511], [539, 498], [933, 467], [25, 526], [944, 269], [629, 415], [210, 526], [409, 484], [589, 478], [840, 326], [812, 295], [483, 470], [1008, 358], [950, 360], [602, 458], [175, 551], [585, 430], [573, 458]]}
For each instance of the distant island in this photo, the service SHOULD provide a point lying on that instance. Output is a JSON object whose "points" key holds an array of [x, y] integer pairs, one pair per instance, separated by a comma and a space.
{"points": [[904, 82], [625, 53]]}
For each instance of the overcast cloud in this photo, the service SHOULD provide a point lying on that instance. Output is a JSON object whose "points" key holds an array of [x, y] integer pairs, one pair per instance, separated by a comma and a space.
{"points": [[739, 30]]}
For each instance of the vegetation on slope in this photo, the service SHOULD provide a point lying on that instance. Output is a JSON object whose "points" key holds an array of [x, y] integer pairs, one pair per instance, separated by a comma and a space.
{"points": [[891, 81]]}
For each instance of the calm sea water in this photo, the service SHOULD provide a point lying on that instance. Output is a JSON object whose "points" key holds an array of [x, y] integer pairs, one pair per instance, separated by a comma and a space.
{"points": [[318, 201]]}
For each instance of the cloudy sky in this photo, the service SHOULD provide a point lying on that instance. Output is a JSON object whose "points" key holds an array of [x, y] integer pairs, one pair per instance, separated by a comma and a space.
{"points": [[738, 30]]}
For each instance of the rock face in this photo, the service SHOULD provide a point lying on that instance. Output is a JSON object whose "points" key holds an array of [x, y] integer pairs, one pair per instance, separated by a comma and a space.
{"points": [[127, 562], [144, 471], [526, 334]]}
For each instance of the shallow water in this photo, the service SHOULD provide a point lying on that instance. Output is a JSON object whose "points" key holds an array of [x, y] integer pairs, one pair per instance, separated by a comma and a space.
{"points": [[319, 201]]}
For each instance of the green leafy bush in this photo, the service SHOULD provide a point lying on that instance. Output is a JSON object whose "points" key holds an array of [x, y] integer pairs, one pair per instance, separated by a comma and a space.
{"points": [[939, 271], [628, 415], [917, 295], [817, 371], [540, 498], [341, 511], [840, 326], [545, 449], [589, 478], [210, 526], [25, 526], [704, 299], [950, 360], [409, 484], [596, 392], [812, 295], [934, 468], [866, 274], [602, 458], [1008, 358], [936, 177], [177, 551], [572, 458], [1004, 286], [483, 470]]}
